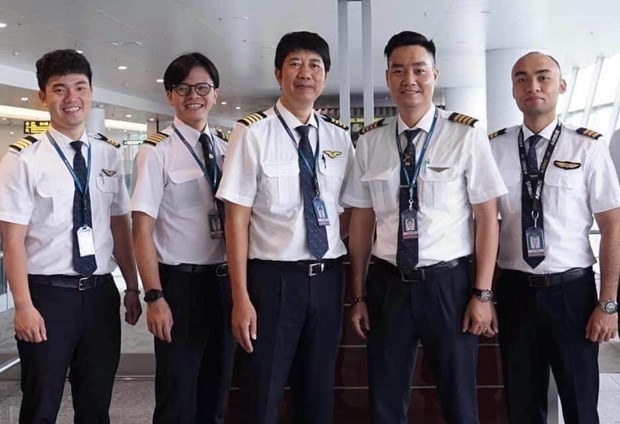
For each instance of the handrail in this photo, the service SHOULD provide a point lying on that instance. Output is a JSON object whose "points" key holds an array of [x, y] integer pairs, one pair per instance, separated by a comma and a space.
{"points": [[9, 364]]}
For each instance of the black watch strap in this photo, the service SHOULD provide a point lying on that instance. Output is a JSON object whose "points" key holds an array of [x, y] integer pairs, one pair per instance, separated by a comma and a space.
{"points": [[152, 295]]}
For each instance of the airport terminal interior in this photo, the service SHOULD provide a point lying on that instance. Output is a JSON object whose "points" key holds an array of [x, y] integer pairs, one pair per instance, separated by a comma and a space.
{"points": [[129, 43]]}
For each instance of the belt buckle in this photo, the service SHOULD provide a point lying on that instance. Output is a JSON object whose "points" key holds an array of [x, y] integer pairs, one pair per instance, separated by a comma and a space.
{"points": [[539, 281], [315, 268], [221, 270], [81, 284], [421, 277]]}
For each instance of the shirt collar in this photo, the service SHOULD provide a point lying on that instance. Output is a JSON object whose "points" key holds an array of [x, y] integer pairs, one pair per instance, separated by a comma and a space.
{"points": [[190, 134], [546, 133], [63, 140], [424, 123], [291, 120]]}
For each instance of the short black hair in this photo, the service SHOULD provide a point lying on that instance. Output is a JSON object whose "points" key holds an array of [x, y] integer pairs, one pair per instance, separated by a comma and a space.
{"points": [[180, 68], [62, 62], [302, 40], [409, 38]]}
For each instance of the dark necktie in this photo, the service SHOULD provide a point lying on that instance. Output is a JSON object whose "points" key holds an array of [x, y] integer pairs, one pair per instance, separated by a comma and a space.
{"points": [[316, 235], [407, 249], [527, 220], [83, 265], [212, 169]]}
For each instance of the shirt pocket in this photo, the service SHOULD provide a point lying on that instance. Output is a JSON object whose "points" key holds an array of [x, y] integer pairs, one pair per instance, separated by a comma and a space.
{"points": [[186, 190], [383, 185], [332, 173], [511, 201], [282, 182], [57, 197], [564, 190], [438, 189]]}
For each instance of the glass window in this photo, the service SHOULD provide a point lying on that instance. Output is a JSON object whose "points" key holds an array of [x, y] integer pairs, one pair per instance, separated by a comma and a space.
{"points": [[582, 85], [599, 119], [574, 119], [608, 82]]}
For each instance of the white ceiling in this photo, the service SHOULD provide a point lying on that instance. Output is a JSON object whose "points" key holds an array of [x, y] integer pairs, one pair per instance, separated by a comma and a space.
{"points": [[240, 37]]}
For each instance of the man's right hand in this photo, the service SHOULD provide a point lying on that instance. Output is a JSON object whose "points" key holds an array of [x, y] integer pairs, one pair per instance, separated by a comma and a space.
{"points": [[360, 320], [29, 325], [244, 323], [159, 319]]}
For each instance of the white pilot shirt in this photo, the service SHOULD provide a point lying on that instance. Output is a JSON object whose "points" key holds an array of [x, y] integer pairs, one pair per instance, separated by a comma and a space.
{"points": [[569, 197], [36, 189], [169, 186], [458, 171], [261, 171]]}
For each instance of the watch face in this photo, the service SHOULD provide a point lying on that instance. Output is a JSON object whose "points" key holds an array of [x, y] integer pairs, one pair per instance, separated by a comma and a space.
{"points": [[152, 295], [610, 307]]}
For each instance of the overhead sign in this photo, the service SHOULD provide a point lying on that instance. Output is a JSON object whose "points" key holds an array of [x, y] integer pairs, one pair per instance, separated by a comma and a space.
{"points": [[36, 127]]}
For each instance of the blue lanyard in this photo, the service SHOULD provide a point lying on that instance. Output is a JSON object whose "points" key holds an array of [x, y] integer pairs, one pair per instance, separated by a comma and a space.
{"points": [[311, 168], [78, 184], [412, 181], [212, 181]]}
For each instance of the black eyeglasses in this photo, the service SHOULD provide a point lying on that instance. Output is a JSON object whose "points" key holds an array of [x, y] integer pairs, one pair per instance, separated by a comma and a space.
{"points": [[202, 88]]}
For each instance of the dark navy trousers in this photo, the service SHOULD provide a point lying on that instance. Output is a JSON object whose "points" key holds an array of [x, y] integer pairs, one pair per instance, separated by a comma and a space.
{"points": [[403, 314]]}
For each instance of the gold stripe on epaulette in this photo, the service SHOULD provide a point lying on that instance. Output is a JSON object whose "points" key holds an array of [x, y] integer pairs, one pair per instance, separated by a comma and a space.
{"points": [[334, 121], [113, 143], [252, 118], [497, 133], [463, 119], [155, 139], [372, 126], [221, 134], [23, 143], [589, 133]]}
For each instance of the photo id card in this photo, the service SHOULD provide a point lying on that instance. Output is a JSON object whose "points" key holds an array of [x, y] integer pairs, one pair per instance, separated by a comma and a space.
{"points": [[216, 229], [321, 212], [409, 224], [86, 241], [535, 242]]}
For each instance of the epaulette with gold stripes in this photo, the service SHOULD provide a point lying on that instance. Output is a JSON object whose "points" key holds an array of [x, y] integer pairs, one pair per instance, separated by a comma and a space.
{"points": [[589, 133], [221, 134], [22, 144], [156, 138], [463, 119], [250, 119], [497, 133], [372, 126], [334, 121], [102, 137]]}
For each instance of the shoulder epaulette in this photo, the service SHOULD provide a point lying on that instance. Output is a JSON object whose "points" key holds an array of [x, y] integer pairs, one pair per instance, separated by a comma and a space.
{"points": [[372, 126], [24, 143], [589, 133], [102, 137], [497, 133], [154, 139], [463, 119], [221, 134], [250, 119], [334, 121]]}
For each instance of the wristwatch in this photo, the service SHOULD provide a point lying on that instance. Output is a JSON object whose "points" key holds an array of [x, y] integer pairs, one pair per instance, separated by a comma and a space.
{"points": [[608, 306], [152, 295], [484, 295]]}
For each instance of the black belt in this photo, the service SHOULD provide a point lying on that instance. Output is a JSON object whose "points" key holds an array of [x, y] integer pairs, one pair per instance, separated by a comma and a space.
{"points": [[311, 268], [543, 281], [422, 273], [70, 281], [220, 270]]}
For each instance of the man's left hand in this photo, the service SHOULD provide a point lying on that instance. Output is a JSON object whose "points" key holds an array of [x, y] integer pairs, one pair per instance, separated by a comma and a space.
{"points": [[478, 318], [601, 326], [133, 308]]}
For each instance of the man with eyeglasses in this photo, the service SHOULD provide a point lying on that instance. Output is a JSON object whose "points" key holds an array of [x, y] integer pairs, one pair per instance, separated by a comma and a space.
{"points": [[179, 243]]}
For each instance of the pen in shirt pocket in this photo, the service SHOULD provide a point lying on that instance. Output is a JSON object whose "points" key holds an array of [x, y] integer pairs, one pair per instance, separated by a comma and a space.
{"points": [[323, 160]]}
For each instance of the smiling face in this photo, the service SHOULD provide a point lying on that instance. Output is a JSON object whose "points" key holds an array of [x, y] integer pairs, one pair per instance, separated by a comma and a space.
{"points": [[193, 109], [68, 98], [536, 86], [411, 77], [302, 79]]}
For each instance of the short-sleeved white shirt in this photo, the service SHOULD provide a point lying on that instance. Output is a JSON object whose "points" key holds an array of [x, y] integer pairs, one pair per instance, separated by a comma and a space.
{"points": [[170, 186], [571, 194], [261, 171], [36, 189], [458, 171]]}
